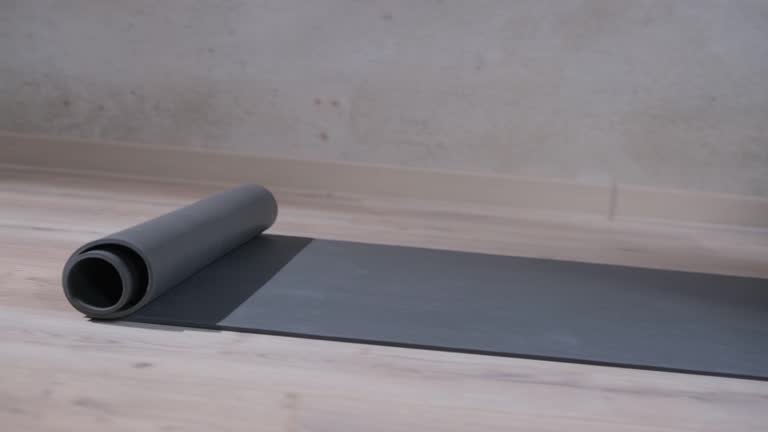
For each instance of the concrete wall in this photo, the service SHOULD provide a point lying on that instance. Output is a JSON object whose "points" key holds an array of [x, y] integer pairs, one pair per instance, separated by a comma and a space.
{"points": [[661, 93]]}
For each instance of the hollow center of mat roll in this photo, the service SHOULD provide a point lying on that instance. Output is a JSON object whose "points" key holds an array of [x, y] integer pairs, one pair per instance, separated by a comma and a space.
{"points": [[95, 282]]}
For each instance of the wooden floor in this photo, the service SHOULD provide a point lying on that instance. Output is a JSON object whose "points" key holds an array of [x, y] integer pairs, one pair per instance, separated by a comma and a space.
{"points": [[59, 371]]}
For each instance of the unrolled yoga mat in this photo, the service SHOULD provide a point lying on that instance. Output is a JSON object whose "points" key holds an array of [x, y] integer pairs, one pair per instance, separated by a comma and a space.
{"points": [[209, 265]]}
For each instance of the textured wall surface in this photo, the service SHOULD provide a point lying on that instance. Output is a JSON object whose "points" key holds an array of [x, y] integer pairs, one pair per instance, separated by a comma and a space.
{"points": [[661, 93]]}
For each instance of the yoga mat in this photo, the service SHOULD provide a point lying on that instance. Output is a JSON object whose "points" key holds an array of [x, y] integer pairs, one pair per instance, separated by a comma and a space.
{"points": [[209, 265]]}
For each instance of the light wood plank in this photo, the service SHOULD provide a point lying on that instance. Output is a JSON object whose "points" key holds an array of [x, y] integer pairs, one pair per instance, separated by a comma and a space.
{"points": [[607, 199], [61, 372]]}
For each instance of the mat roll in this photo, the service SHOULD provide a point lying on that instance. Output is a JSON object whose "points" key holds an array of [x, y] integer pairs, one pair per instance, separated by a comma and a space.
{"points": [[114, 276], [211, 265]]}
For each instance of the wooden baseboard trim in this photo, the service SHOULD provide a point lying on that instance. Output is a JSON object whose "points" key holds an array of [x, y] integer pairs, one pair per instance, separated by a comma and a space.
{"points": [[638, 202], [203, 166]]}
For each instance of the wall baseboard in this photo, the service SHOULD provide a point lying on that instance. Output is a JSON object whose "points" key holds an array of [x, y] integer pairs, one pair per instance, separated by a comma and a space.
{"points": [[639, 202], [202, 166]]}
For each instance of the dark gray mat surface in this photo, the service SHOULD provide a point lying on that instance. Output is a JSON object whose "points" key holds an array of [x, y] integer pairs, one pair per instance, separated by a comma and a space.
{"points": [[468, 302], [456, 301]]}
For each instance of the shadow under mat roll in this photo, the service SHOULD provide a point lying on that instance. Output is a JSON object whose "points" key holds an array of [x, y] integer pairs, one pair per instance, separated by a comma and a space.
{"points": [[209, 265]]}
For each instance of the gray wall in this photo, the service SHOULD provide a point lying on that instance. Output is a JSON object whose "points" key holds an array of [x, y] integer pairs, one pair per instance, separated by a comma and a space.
{"points": [[661, 93]]}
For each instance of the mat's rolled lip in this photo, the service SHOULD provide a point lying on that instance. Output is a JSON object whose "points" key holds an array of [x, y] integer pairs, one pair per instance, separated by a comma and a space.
{"points": [[124, 274], [260, 188], [92, 250]]}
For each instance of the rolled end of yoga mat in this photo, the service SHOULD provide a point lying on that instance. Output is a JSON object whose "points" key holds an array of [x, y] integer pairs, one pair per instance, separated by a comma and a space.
{"points": [[114, 276], [105, 280]]}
